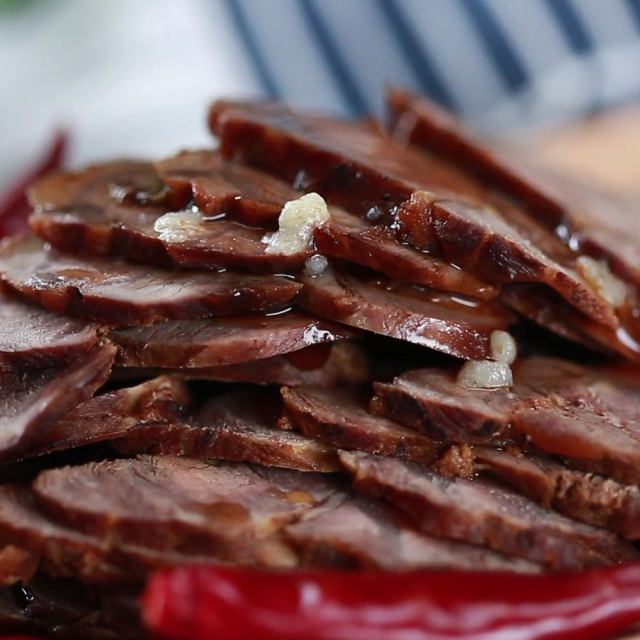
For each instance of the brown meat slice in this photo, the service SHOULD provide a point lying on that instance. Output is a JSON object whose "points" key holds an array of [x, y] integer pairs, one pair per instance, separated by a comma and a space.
{"points": [[85, 212], [371, 175], [33, 399], [351, 238], [160, 402], [483, 242], [340, 417], [479, 512], [63, 551], [598, 224], [117, 293], [328, 364], [221, 341], [369, 534], [432, 402], [218, 186], [547, 309], [423, 316], [583, 496], [32, 335], [351, 165], [224, 510], [240, 426]]}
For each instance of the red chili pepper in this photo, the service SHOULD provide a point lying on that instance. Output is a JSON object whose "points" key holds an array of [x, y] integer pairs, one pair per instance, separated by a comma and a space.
{"points": [[14, 207], [203, 603]]}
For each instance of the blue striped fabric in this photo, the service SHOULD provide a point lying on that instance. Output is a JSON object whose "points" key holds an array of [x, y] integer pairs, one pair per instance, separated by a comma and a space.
{"points": [[502, 63]]}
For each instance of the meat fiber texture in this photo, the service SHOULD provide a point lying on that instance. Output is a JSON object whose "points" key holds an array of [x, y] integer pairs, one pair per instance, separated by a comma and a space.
{"points": [[177, 386]]}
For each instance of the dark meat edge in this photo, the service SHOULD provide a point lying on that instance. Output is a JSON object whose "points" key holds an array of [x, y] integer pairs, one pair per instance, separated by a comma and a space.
{"points": [[76, 285], [71, 386], [221, 341], [430, 318]]}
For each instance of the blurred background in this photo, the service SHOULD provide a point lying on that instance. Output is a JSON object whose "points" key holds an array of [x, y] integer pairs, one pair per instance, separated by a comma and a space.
{"points": [[134, 77]]}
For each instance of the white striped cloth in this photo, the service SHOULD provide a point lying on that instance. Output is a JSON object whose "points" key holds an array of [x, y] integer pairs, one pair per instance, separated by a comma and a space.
{"points": [[501, 63]]}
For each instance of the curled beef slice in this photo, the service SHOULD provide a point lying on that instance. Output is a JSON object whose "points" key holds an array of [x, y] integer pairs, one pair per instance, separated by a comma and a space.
{"points": [[427, 317], [478, 512], [549, 310], [30, 335], [580, 495], [224, 510], [122, 294], [349, 164], [219, 186], [237, 425], [63, 551], [91, 218], [340, 417], [33, 399], [369, 534], [160, 402], [483, 242], [349, 237], [371, 175], [596, 223], [432, 402], [221, 341], [326, 364]]}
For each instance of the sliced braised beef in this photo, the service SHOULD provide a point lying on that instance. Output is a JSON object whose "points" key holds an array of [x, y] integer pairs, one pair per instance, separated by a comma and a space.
{"points": [[435, 319], [547, 309], [219, 186], [160, 402], [596, 223], [350, 164], [95, 212], [583, 496], [237, 425], [340, 417], [221, 341], [590, 416], [117, 293], [227, 511], [483, 242], [351, 238], [33, 399], [369, 534], [63, 551], [329, 364], [30, 335], [479, 512], [425, 196], [432, 402]]}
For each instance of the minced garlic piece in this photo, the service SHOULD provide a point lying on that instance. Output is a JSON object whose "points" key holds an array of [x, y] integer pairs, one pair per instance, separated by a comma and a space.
{"points": [[296, 224], [316, 265], [485, 374], [599, 276], [503, 347], [178, 226]]}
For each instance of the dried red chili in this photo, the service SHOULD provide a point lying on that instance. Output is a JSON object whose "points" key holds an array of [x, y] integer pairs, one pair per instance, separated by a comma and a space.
{"points": [[198, 603], [14, 207]]}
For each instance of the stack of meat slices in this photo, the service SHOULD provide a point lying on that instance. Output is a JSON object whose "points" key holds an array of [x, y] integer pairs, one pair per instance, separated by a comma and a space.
{"points": [[194, 370]]}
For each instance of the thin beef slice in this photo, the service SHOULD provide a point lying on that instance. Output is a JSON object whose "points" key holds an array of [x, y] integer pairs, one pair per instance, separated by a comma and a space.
{"points": [[479, 512], [428, 317], [121, 294], [237, 425], [221, 341], [224, 510]]}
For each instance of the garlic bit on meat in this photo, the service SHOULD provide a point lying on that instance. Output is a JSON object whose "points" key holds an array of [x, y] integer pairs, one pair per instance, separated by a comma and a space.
{"points": [[599, 277], [296, 224], [491, 374]]}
